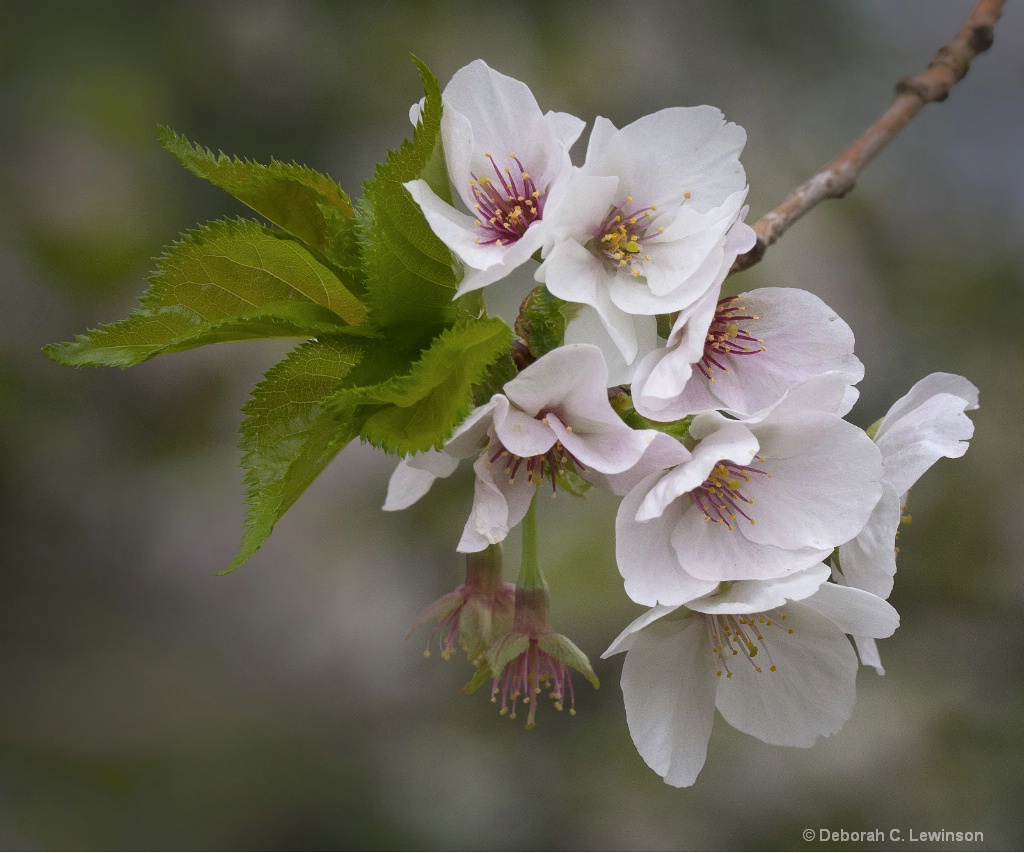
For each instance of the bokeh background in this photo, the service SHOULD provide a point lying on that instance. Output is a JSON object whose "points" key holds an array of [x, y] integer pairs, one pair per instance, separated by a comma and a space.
{"points": [[146, 704]]}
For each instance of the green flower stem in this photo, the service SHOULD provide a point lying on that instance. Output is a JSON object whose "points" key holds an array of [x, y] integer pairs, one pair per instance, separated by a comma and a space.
{"points": [[530, 575]]}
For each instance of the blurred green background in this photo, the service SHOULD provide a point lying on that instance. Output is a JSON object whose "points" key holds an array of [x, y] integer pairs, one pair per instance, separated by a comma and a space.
{"points": [[145, 703]]}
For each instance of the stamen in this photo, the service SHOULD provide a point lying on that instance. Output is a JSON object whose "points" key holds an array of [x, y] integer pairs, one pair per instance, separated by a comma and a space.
{"points": [[502, 207], [620, 239], [526, 677], [719, 496], [726, 337], [732, 635]]}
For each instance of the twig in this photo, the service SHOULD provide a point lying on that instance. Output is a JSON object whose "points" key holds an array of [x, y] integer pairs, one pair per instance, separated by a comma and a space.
{"points": [[912, 94]]}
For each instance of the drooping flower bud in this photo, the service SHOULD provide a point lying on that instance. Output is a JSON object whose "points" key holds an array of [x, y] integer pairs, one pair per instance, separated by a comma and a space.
{"points": [[532, 657], [475, 612]]}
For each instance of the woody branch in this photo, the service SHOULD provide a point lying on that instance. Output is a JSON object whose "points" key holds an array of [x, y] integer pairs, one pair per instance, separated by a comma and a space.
{"points": [[838, 177]]}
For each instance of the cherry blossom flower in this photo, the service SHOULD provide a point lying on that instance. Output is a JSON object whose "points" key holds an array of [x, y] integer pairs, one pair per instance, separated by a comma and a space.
{"points": [[741, 354], [771, 655], [553, 417], [532, 657], [506, 160], [475, 612], [654, 220], [758, 499], [928, 423]]}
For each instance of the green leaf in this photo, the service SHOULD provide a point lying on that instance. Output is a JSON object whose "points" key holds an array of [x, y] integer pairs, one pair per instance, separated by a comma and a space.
{"points": [[227, 281], [420, 410], [287, 436], [298, 199], [411, 276]]}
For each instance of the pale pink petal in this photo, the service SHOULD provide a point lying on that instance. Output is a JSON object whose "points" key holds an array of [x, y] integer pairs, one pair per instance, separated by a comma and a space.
{"points": [[662, 453], [624, 641], [522, 434], [924, 390], [571, 381], [802, 337], [732, 442], [810, 694], [757, 596], [645, 557], [869, 560], [712, 552], [855, 611], [668, 684], [918, 437], [572, 273], [825, 481], [414, 476], [607, 449], [498, 506], [867, 651]]}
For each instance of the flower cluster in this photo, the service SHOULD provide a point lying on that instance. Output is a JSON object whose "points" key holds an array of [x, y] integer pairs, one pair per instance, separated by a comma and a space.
{"points": [[756, 523]]}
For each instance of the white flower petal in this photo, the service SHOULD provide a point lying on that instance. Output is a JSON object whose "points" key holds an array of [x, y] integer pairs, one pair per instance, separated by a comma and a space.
{"points": [[668, 688], [587, 328], [757, 596], [855, 611], [679, 149], [663, 452], [512, 256], [802, 337], [826, 480], [414, 476], [916, 438], [498, 506], [624, 641], [732, 442], [812, 692], [867, 651], [572, 273], [868, 561], [471, 435], [522, 435], [645, 557], [610, 450], [455, 229], [712, 552], [924, 390], [566, 128], [572, 380]]}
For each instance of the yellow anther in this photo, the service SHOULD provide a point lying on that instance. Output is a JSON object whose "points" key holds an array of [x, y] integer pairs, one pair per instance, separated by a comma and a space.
{"points": [[687, 195]]}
